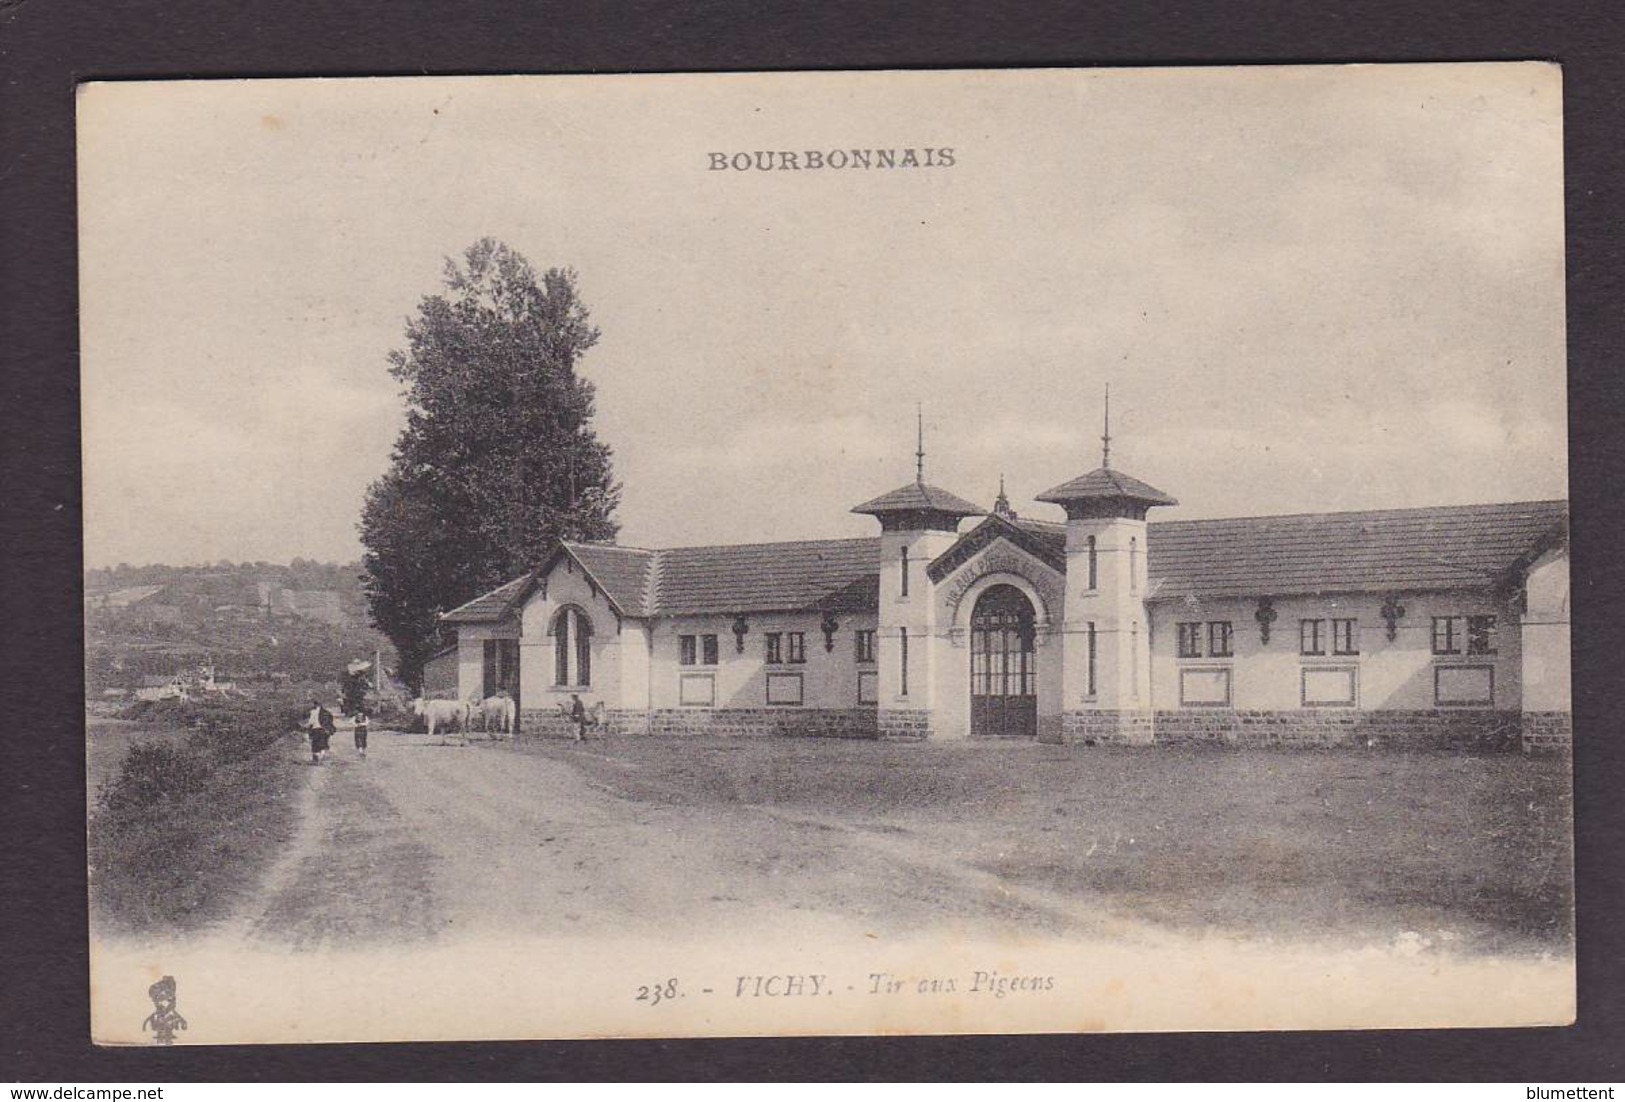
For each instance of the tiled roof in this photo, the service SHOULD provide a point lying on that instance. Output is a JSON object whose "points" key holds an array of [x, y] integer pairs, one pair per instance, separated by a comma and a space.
{"points": [[1051, 534], [1045, 542], [492, 606], [919, 497], [859, 595], [1388, 550], [762, 577], [624, 573], [1103, 482]]}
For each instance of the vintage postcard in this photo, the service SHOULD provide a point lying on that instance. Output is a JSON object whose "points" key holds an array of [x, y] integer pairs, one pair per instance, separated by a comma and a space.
{"points": [[826, 553]]}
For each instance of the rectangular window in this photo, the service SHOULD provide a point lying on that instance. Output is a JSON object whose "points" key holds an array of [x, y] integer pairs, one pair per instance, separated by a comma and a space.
{"points": [[697, 690], [868, 687], [1134, 566], [1134, 659], [1345, 637], [1463, 686], [687, 652], [1311, 636], [775, 647], [708, 649], [1190, 640], [1220, 638], [902, 651], [1204, 687], [784, 688], [865, 645], [561, 648], [1330, 686], [490, 664], [1447, 635], [1094, 565], [798, 646], [1481, 635], [905, 572], [1092, 653]]}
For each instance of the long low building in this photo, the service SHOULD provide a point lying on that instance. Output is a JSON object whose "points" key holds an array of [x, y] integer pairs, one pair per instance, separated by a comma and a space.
{"points": [[1443, 626]]}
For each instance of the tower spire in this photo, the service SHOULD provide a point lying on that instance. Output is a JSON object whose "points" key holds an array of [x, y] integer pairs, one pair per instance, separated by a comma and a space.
{"points": [[919, 451], [1001, 507], [1106, 437]]}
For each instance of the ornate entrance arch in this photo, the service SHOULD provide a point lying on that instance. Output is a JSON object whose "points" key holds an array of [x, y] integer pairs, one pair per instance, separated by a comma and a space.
{"points": [[1003, 665]]}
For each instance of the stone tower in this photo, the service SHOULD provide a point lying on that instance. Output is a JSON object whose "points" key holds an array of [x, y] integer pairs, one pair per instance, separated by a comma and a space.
{"points": [[1106, 652], [918, 522]]}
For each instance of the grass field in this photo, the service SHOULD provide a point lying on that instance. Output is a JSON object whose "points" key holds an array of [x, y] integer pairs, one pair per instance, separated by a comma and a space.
{"points": [[1472, 853]]}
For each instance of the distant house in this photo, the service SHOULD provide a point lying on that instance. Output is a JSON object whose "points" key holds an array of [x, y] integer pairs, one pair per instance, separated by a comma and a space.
{"points": [[325, 605], [123, 598]]}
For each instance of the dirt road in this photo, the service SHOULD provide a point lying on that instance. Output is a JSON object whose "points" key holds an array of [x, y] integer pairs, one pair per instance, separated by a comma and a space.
{"points": [[425, 841], [438, 892]]}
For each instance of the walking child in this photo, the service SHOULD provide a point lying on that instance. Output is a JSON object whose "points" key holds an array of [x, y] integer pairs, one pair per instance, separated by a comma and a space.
{"points": [[361, 733]]}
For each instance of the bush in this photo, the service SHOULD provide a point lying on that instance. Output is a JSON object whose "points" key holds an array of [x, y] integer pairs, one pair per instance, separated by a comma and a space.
{"points": [[184, 826], [240, 732], [154, 773]]}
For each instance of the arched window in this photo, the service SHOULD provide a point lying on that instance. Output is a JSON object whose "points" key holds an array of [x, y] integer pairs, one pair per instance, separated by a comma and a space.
{"points": [[572, 647], [1134, 566]]}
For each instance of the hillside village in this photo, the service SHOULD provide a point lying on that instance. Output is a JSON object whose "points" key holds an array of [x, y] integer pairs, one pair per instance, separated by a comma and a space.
{"points": [[252, 624]]}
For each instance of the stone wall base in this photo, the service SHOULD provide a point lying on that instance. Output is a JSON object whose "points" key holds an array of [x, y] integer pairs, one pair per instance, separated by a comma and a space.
{"points": [[904, 725], [1428, 729], [551, 723], [1548, 732], [1424, 729], [1049, 728], [719, 722], [1103, 727]]}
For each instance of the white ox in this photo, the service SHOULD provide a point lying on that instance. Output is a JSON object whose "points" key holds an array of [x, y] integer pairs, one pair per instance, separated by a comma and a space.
{"points": [[499, 710], [443, 713]]}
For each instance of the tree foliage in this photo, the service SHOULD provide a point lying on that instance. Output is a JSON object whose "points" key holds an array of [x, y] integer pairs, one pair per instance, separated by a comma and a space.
{"points": [[498, 458]]}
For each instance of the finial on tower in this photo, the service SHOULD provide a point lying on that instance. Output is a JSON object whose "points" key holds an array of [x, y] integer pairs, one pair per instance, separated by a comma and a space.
{"points": [[1106, 437], [919, 452], [1001, 507]]}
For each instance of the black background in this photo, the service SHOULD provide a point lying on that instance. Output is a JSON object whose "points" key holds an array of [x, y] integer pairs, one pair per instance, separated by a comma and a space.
{"points": [[45, 48]]}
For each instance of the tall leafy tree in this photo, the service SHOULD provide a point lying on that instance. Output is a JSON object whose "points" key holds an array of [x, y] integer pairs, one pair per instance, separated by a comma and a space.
{"points": [[498, 457]]}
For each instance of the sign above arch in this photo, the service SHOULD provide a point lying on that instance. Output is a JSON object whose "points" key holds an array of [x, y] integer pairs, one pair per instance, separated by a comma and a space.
{"points": [[1007, 562]]}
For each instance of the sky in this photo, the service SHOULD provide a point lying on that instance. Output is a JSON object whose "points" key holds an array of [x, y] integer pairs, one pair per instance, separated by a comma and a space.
{"points": [[1309, 288]]}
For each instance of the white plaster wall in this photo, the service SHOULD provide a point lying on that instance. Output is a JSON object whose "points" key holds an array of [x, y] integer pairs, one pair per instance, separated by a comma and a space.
{"points": [[471, 654], [829, 679], [1116, 606], [1547, 683], [615, 646], [1392, 675], [917, 612]]}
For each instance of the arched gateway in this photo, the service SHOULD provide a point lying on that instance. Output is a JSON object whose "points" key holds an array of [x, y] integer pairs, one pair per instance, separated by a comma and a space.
{"points": [[1003, 667]]}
